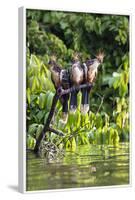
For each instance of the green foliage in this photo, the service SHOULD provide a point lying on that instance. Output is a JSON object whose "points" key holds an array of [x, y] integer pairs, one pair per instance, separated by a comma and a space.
{"points": [[63, 33]]}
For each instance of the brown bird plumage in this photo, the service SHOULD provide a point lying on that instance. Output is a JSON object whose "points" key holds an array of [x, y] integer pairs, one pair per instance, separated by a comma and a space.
{"points": [[76, 79], [60, 78], [92, 70], [55, 72]]}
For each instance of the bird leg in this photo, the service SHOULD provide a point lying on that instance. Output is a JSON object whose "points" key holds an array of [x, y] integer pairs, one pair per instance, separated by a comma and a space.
{"points": [[85, 101], [73, 101], [64, 117]]}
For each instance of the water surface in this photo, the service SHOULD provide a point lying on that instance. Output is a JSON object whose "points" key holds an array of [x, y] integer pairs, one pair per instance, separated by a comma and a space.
{"points": [[91, 165]]}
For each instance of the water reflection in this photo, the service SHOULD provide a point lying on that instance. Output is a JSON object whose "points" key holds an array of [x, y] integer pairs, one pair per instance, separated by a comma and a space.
{"points": [[90, 165]]}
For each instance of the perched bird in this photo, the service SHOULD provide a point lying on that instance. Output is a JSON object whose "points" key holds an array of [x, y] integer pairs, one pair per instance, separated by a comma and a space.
{"points": [[76, 75], [60, 78], [65, 83], [90, 70], [55, 72]]}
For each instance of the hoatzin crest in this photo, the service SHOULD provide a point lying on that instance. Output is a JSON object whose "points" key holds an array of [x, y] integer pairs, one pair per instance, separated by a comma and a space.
{"points": [[76, 79], [60, 78], [91, 69]]}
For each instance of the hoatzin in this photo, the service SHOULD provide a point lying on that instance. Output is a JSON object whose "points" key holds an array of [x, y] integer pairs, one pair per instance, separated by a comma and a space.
{"points": [[76, 76], [90, 71], [60, 78]]}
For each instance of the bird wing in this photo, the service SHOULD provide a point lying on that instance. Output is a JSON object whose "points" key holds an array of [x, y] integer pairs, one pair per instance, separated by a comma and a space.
{"points": [[55, 78], [55, 75], [90, 62], [65, 78], [92, 73], [77, 73]]}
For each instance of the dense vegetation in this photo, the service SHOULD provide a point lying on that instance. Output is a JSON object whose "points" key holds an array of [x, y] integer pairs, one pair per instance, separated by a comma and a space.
{"points": [[62, 34]]}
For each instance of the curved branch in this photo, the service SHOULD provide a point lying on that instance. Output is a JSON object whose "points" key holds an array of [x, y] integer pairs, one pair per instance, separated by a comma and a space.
{"points": [[61, 91]]}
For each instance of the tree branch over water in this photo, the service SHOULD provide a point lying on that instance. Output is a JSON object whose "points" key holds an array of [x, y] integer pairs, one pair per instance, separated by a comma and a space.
{"points": [[58, 94]]}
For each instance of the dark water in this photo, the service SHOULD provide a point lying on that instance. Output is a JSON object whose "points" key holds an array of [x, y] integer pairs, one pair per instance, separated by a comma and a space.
{"points": [[90, 165]]}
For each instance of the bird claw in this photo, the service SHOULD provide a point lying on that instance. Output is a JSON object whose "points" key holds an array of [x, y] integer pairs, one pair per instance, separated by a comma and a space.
{"points": [[72, 109]]}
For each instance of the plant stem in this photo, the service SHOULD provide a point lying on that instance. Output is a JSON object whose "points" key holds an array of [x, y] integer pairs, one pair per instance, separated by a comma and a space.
{"points": [[102, 100]]}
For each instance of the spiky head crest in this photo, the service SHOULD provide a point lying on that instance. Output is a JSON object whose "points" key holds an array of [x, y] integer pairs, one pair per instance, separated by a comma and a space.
{"points": [[100, 55], [76, 56], [52, 59]]}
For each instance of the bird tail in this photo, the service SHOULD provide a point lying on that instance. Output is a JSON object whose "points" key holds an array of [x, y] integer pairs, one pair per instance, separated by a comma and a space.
{"points": [[85, 101], [73, 102]]}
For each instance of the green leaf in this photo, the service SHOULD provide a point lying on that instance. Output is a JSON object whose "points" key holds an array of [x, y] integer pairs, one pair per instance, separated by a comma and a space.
{"points": [[46, 116], [39, 130], [34, 83], [32, 129], [28, 93], [40, 115], [49, 96], [99, 121], [31, 142], [68, 144], [34, 61], [42, 100], [73, 144]]}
